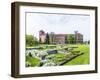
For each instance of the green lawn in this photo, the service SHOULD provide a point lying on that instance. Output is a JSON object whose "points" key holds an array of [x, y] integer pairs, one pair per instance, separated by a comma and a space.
{"points": [[32, 61], [82, 59]]}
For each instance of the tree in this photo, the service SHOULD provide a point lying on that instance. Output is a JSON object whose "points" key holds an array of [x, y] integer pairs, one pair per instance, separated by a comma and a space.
{"points": [[51, 37], [71, 38], [88, 41], [47, 41], [31, 40], [39, 40], [66, 41]]}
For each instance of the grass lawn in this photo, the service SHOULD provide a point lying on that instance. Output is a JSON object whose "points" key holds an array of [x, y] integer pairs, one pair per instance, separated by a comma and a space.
{"points": [[32, 61], [82, 59]]}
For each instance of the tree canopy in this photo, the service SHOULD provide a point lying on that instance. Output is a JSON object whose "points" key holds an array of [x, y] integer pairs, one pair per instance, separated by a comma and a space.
{"points": [[31, 40], [71, 38], [47, 39]]}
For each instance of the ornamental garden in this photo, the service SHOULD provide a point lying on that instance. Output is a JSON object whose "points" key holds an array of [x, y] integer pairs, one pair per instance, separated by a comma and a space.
{"points": [[52, 49]]}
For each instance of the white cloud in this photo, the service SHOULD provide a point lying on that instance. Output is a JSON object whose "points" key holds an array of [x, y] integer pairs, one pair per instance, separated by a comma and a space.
{"points": [[58, 23]]}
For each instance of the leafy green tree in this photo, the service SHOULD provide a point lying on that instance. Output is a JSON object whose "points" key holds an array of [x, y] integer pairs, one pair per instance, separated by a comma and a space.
{"points": [[39, 40], [47, 41], [88, 41], [71, 39], [66, 41], [31, 40]]}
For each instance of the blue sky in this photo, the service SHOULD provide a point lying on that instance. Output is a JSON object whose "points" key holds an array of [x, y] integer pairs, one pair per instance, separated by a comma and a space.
{"points": [[58, 23]]}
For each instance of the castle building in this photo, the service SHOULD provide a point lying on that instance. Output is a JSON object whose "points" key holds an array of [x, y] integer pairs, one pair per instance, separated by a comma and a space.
{"points": [[42, 36], [61, 38]]}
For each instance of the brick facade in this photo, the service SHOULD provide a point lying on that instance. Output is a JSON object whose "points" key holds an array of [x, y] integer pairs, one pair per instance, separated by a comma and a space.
{"points": [[60, 38]]}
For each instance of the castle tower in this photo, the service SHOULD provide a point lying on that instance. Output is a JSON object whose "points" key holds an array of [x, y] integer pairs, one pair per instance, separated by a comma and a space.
{"points": [[78, 37], [42, 36]]}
